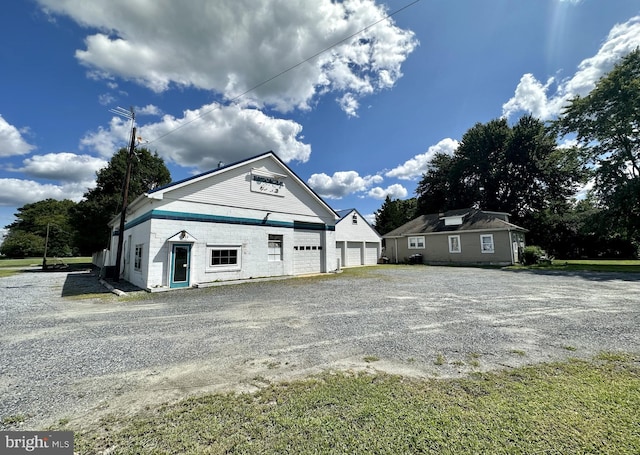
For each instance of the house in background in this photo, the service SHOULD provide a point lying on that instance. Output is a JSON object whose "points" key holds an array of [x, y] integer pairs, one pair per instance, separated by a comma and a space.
{"points": [[357, 242], [468, 236], [253, 218]]}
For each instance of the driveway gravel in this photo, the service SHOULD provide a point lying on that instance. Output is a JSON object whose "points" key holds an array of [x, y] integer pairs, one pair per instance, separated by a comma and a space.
{"points": [[71, 350]]}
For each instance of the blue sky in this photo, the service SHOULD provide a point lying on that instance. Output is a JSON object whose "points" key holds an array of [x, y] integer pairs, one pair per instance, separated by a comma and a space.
{"points": [[356, 122]]}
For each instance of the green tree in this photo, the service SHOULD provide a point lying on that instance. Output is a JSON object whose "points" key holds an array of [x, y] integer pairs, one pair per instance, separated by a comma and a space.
{"points": [[33, 221], [101, 204], [606, 124], [515, 169], [394, 213], [20, 244]]}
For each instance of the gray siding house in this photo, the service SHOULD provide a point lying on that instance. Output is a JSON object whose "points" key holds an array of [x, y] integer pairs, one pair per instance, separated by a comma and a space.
{"points": [[466, 236]]}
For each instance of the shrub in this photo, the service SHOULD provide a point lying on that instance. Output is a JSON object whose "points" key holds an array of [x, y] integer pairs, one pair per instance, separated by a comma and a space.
{"points": [[532, 254]]}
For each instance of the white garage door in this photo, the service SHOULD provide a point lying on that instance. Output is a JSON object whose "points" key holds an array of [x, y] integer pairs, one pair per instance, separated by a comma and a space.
{"points": [[307, 252], [371, 253], [354, 254]]}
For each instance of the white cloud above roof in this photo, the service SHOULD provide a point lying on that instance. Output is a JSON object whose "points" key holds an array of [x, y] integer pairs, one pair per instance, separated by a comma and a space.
{"points": [[17, 192], [341, 183], [537, 98], [203, 137], [395, 191], [233, 47], [63, 166], [419, 164]]}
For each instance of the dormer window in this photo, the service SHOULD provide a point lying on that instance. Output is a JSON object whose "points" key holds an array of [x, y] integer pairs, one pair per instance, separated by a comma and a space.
{"points": [[354, 219], [452, 220]]}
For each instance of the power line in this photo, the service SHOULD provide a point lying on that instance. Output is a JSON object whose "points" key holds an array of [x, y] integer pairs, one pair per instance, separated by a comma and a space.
{"points": [[291, 68]]}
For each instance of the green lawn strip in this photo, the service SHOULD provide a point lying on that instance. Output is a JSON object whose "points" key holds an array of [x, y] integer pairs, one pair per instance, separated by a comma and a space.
{"points": [[28, 262], [587, 265], [572, 407]]}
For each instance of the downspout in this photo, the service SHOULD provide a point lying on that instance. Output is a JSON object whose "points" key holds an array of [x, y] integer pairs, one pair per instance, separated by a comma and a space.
{"points": [[395, 251], [513, 258]]}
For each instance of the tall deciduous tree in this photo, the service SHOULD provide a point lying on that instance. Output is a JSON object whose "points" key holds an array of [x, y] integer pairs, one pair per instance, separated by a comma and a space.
{"points": [[606, 124], [91, 216], [28, 234], [515, 169]]}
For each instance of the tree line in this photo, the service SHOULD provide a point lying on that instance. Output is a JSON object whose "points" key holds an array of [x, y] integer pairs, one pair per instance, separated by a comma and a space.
{"points": [[80, 229], [522, 170]]}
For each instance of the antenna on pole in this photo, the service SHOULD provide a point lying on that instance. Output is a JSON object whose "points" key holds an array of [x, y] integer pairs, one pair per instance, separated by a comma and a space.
{"points": [[128, 114]]}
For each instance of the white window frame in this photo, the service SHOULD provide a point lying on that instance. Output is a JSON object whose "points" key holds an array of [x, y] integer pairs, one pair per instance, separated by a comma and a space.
{"points": [[274, 247], [137, 259], [456, 243], [487, 247], [210, 267], [354, 219], [416, 242]]}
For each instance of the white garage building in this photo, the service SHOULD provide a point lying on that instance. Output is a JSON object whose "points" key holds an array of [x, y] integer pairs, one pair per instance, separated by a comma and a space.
{"points": [[250, 219], [357, 243]]}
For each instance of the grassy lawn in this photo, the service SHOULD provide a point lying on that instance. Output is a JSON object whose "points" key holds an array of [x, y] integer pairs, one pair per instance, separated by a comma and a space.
{"points": [[28, 262], [592, 265], [572, 407]]}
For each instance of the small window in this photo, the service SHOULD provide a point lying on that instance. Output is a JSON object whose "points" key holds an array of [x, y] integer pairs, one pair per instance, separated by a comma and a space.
{"points": [[223, 258], [454, 244], [137, 262], [416, 242], [275, 248], [486, 243], [354, 219]]}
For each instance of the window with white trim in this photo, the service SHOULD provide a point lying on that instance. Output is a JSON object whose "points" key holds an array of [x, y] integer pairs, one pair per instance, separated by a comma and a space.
{"points": [[454, 244], [223, 258], [137, 260], [275, 248], [354, 219], [486, 243], [416, 243]]}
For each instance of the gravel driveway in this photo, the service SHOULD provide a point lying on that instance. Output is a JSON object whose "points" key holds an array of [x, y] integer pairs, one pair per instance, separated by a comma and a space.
{"points": [[63, 355]]}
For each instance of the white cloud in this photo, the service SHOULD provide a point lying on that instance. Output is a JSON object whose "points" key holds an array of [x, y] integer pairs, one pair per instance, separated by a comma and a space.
{"points": [[395, 191], [18, 192], [231, 47], [341, 184], [534, 97], [203, 137], [149, 109], [63, 166], [418, 165], [11, 140]]}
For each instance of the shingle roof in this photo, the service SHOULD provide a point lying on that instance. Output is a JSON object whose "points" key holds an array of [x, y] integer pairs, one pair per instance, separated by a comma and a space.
{"points": [[473, 219]]}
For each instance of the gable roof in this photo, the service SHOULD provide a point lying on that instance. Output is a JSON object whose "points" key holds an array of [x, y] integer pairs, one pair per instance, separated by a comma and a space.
{"points": [[472, 220], [158, 193], [346, 212]]}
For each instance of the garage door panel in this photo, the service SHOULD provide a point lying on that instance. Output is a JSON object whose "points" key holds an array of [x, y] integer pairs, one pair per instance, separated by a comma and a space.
{"points": [[371, 254], [307, 252], [354, 253]]}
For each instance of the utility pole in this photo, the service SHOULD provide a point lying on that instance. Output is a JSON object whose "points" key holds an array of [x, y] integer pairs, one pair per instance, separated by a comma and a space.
{"points": [[46, 244], [125, 189]]}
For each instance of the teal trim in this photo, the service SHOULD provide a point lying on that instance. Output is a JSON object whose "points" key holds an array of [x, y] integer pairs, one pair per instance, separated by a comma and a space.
{"points": [[203, 218]]}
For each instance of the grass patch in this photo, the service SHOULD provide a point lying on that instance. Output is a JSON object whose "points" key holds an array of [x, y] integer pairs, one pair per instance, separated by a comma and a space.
{"points": [[371, 358], [4, 273], [571, 407], [587, 265], [13, 420], [83, 261]]}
